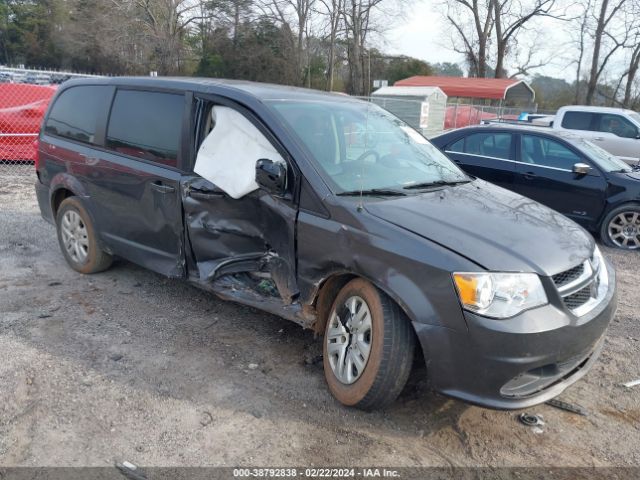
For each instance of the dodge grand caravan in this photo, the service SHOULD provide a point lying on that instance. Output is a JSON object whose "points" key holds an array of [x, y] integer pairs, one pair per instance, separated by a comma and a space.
{"points": [[330, 212]]}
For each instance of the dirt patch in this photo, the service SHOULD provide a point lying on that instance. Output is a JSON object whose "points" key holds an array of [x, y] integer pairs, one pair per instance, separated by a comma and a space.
{"points": [[128, 365]]}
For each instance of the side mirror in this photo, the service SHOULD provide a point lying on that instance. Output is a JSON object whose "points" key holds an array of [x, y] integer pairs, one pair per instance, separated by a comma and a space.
{"points": [[271, 176], [581, 168]]}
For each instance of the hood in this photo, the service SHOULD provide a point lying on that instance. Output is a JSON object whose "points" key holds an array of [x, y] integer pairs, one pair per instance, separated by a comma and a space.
{"points": [[624, 181], [495, 228], [635, 175]]}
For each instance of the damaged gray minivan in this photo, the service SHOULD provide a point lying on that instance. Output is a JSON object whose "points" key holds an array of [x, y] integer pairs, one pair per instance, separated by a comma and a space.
{"points": [[330, 212]]}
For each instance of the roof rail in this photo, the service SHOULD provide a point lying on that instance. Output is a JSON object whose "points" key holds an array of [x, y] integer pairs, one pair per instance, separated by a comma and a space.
{"points": [[526, 123]]}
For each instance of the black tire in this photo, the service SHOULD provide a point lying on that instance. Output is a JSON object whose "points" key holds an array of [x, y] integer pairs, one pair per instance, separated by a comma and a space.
{"points": [[95, 259], [613, 219], [392, 344]]}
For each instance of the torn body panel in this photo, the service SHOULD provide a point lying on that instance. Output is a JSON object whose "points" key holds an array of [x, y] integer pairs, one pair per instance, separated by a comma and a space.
{"points": [[241, 289], [255, 233]]}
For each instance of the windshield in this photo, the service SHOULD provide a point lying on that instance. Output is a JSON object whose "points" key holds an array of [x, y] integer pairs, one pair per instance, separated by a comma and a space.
{"points": [[358, 146], [636, 117], [604, 159]]}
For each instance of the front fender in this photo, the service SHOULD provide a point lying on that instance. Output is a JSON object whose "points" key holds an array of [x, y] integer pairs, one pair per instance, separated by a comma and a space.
{"points": [[414, 272]]}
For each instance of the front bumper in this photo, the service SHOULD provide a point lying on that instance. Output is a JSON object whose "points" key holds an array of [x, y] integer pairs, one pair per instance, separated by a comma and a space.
{"points": [[519, 362]]}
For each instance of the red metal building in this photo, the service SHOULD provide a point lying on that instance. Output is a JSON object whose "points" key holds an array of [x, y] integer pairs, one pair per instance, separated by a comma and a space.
{"points": [[509, 90]]}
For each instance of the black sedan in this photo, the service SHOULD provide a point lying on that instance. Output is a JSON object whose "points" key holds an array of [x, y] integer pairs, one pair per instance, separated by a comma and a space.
{"points": [[560, 170]]}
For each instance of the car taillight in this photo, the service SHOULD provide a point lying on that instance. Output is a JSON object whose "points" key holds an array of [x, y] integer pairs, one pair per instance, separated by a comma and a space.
{"points": [[36, 154]]}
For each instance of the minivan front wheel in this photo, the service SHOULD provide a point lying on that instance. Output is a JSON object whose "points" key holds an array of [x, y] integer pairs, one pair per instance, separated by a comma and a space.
{"points": [[621, 227], [368, 347], [77, 238]]}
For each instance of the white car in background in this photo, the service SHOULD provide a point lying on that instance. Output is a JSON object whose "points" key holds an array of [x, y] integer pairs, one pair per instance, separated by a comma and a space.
{"points": [[616, 130]]}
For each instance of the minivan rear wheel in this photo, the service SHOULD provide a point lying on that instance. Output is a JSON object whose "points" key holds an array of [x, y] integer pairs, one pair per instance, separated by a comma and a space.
{"points": [[621, 227], [77, 238], [368, 347]]}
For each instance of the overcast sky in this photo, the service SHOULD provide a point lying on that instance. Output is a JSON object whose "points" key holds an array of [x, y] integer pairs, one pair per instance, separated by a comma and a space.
{"points": [[426, 35]]}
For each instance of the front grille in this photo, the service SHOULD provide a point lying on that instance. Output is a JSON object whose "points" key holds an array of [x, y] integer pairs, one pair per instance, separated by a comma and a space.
{"points": [[568, 276], [579, 286], [578, 299]]}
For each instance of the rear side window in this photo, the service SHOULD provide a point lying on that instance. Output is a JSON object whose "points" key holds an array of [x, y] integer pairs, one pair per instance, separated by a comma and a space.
{"points": [[147, 125], [497, 145], [76, 111], [577, 120], [548, 153]]}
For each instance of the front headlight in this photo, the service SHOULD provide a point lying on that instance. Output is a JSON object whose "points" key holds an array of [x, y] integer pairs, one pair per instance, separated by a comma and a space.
{"points": [[499, 295], [597, 259]]}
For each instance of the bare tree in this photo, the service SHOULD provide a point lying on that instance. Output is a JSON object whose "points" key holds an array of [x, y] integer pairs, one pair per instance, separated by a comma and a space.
{"points": [[510, 18], [166, 25], [333, 11], [529, 59], [605, 42], [358, 16], [489, 31], [288, 13], [633, 27], [631, 73], [473, 22], [583, 20]]}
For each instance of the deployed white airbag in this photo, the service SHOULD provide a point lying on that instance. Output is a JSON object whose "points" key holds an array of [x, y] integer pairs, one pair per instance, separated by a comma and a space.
{"points": [[228, 156]]}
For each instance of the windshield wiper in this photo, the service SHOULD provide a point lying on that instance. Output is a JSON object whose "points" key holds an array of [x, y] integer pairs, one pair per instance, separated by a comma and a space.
{"points": [[437, 183], [383, 192]]}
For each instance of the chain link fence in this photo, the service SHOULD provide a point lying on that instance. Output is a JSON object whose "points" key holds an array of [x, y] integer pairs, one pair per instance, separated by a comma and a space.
{"points": [[24, 97], [462, 115], [449, 115]]}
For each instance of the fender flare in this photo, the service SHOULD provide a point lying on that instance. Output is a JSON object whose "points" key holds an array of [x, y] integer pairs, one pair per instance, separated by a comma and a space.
{"points": [[65, 181], [322, 304]]}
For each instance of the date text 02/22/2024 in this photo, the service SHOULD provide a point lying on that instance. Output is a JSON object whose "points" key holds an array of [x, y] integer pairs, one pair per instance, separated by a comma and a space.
{"points": [[316, 472]]}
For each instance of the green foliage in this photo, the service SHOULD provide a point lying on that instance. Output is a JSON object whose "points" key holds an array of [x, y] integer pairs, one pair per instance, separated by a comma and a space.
{"points": [[258, 51], [403, 67], [211, 65], [447, 69], [27, 34], [552, 93]]}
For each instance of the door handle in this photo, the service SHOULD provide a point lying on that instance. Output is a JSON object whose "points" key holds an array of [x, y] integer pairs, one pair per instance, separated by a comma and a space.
{"points": [[162, 188], [529, 176], [89, 160], [599, 139], [205, 195]]}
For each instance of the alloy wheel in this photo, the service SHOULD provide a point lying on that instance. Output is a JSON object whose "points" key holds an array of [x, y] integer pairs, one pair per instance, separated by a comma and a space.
{"points": [[74, 236], [349, 339], [624, 230]]}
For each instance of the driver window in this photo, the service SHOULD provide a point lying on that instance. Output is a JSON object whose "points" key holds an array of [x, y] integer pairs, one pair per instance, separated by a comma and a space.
{"points": [[617, 125], [548, 153], [222, 162]]}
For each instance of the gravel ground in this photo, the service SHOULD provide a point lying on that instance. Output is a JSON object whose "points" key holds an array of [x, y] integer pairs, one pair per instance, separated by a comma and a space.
{"points": [[128, 365]]}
